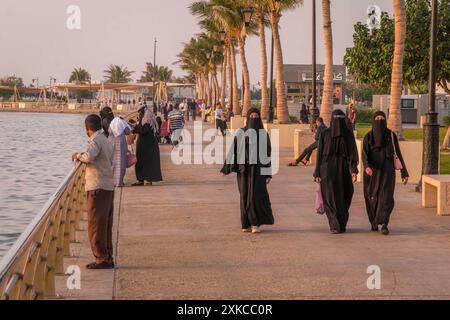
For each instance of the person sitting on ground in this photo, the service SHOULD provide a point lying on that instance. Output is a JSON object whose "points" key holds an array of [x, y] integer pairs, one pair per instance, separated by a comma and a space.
{"points": [[307, 153], [98, 157]]}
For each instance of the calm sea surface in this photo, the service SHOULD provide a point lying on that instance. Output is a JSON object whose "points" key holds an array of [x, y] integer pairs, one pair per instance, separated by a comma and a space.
{"points": [[35, 151]]}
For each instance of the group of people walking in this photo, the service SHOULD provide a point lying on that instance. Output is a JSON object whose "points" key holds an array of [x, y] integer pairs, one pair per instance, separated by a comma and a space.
{"points": [[107, 157], [335, 172]]}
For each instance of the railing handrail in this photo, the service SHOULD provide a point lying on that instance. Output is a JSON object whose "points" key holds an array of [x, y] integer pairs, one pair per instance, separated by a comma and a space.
{"points": [[16, 250], [28, 269]]}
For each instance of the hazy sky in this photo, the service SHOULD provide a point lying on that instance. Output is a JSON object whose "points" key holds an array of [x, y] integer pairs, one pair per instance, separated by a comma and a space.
{"points": [[34, 39]]}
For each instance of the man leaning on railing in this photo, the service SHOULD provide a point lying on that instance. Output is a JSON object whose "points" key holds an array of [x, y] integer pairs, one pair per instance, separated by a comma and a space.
{"points": [[100, 192]]}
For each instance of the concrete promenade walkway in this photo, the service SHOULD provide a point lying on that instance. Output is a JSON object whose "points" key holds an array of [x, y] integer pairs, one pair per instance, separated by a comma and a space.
{"points": [[181, 239]]}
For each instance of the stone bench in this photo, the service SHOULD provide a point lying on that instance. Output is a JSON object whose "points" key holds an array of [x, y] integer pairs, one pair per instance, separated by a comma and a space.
{"points": [[436, 193]]}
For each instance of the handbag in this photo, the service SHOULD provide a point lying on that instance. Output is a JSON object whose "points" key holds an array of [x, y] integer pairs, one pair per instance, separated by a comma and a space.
{"points": [[131, 159], [319, 200], [397, 163]]}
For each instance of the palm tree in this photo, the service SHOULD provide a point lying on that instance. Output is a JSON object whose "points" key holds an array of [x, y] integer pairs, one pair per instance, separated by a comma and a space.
{"points": [[275, 9], [395, 115], [328, 92], [198, 58], [227, 15], [80, 75], [117, 74], [261, 17]]}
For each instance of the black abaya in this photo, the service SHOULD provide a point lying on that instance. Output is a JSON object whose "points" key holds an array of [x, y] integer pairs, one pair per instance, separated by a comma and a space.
{"points": [[256, 209], [337, 160], [379, 188], [148, 166]]}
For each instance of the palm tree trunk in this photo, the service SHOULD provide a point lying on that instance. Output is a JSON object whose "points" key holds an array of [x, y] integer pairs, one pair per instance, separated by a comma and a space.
{"points": [[246, 100], [262, 43], [282, 109], [446, 143], [199, 86], [207, 89], [328, 87], [236, 107], [395, 114], [215, 88], [230, 77], [223, 78]]}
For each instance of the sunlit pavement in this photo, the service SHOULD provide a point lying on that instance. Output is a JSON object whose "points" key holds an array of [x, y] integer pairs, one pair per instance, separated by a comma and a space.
{"points": [[181, 239]]}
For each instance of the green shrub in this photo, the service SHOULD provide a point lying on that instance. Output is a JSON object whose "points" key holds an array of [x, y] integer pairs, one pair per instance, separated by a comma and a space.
{"points": [[293, 119], [364, 115], [446, 120], [256, 104]]}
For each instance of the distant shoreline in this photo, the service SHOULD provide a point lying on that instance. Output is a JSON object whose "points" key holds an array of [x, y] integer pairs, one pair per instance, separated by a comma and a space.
{"points": [[50, 111]]}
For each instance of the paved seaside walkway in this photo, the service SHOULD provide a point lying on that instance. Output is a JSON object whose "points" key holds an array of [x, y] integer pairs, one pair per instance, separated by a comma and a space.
{"points": [[181, 239]]}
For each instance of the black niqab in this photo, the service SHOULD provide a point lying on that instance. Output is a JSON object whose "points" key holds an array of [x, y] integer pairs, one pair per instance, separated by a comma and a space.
{"points": [[379, 131], [254, 123], [342, 139]]}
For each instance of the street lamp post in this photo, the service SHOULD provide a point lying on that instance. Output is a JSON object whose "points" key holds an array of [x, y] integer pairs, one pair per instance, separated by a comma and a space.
{"points": [[315, 111], [36, 80], [154, 70], [271, 113], [51, 87], [431, 127]]}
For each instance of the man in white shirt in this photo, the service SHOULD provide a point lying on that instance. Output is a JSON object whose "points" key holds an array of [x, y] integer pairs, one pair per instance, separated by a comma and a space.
{"points": [[219, 118]]}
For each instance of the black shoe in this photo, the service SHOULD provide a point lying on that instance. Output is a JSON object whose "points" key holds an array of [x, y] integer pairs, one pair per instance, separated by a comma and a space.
{"points": [[375, 229], [384, 230], [98, 266]]}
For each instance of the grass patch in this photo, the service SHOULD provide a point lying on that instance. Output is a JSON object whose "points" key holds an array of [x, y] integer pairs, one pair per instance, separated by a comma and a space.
{"points": [[408, 133], [445, 164], [412, 134]]}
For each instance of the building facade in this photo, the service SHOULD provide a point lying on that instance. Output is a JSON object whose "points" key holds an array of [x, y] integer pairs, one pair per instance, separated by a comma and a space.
{"points": [[298, 78]]}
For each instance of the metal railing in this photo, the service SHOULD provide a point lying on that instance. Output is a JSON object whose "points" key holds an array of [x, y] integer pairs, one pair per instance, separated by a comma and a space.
{"points": [[28, 270]]}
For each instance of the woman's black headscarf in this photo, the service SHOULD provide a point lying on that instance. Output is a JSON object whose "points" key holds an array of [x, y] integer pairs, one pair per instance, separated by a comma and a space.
{"points": [[342, 139], [379, 131], [107, 116]]}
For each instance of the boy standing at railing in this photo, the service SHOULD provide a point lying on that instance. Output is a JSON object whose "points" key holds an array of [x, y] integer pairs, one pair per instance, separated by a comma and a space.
{"points": [[100, 192]]}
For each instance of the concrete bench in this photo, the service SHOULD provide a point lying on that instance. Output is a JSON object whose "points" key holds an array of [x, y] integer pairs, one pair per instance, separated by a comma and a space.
{"points": [[436, 193]]}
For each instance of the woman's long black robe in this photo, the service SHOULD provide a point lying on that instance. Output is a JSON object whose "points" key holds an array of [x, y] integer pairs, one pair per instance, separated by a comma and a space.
{"points": [[256, 209], [148, 166], [379, 188], [335, 171]]}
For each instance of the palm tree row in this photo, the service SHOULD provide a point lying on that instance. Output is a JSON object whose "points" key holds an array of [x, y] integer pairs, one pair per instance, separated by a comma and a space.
{"points": [[226, 24], [121, 74]]}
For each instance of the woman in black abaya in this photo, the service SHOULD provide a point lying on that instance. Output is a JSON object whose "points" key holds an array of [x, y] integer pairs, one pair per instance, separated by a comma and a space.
{"points": [[148, 166], [379, 172], [252, 173], [336, 171]]}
